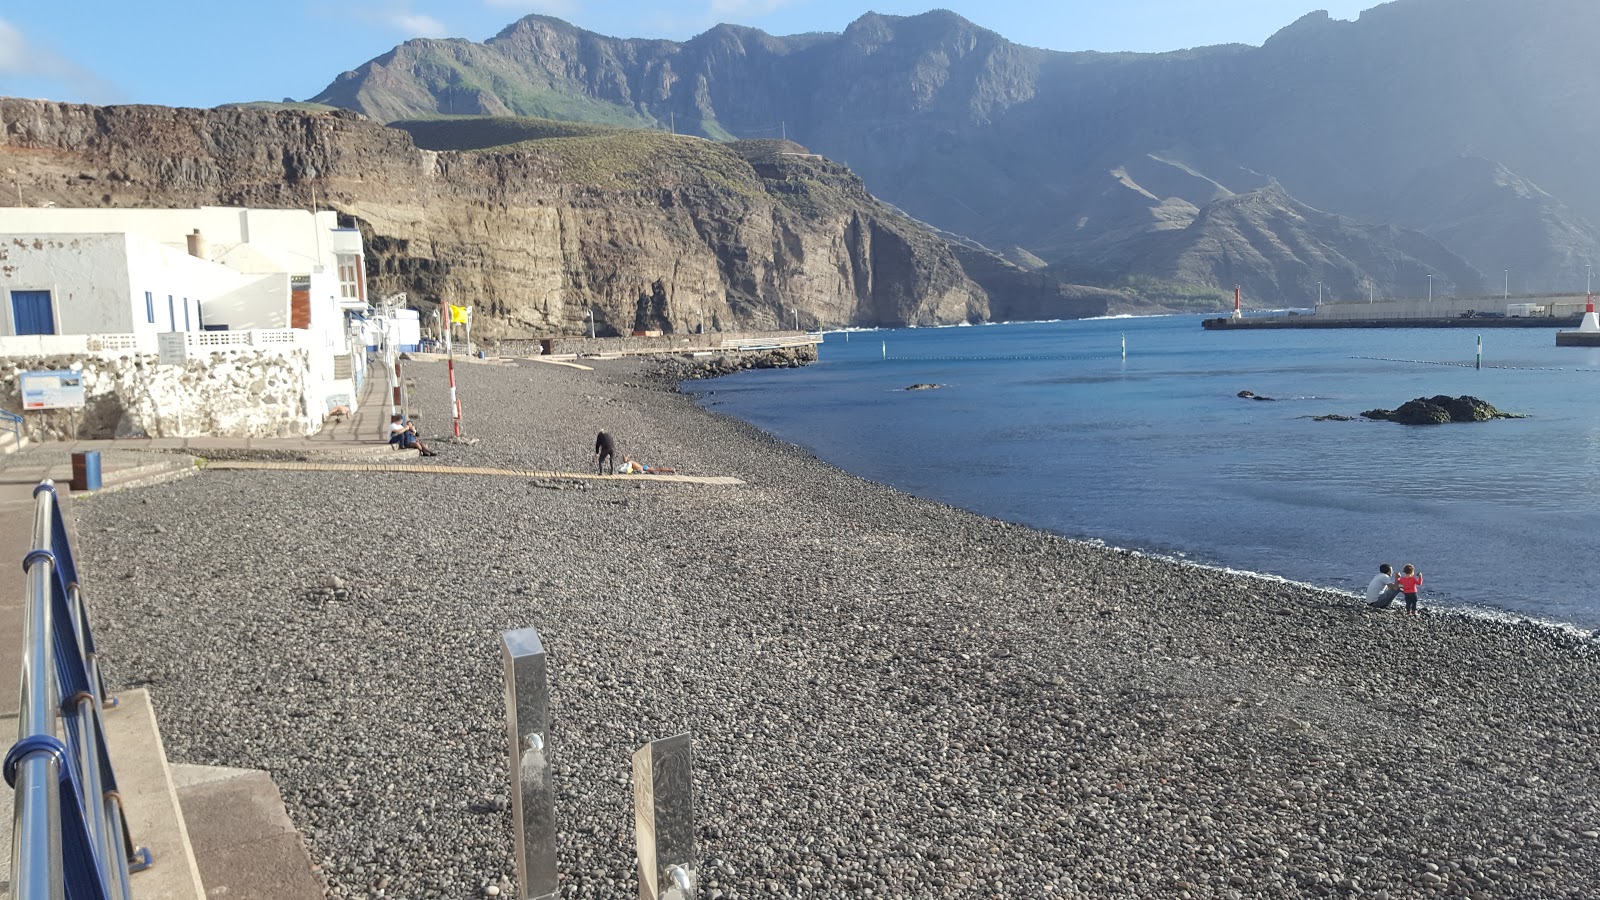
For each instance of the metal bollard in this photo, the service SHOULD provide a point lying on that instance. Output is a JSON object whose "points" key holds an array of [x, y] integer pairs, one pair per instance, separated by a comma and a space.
{"points": [[532, 791], [663, 817]]}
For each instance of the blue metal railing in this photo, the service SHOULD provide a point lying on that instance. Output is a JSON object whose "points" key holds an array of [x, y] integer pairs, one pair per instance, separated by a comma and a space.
{"points": [[71, 838], [10, 421]]}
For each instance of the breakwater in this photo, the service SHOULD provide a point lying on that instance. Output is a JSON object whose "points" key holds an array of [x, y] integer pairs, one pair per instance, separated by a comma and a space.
{"points": [[1268, 323]]}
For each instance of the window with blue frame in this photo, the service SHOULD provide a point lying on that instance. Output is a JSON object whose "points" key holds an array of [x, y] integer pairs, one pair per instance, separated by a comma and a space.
{"points": [[150, 307]]}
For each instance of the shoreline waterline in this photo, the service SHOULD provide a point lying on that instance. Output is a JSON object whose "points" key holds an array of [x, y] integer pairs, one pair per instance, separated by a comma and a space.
{"points": [[1052, 426]]}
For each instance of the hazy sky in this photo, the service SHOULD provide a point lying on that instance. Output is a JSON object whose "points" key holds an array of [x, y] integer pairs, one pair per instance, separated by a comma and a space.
{"points": [[203, 54]]}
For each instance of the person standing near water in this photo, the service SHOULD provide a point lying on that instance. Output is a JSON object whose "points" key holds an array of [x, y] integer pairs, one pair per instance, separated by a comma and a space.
{"points": [[1381, 590], [605, 453], [1409, 582]]}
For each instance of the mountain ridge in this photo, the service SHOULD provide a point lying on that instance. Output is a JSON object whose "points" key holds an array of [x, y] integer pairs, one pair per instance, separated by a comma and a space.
{"points": [[983, 136]]}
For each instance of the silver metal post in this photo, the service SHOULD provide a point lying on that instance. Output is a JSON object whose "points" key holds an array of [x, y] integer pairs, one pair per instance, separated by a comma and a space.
{"points": [[663, 818], [36, 869], [532, 790], [36, 866]]}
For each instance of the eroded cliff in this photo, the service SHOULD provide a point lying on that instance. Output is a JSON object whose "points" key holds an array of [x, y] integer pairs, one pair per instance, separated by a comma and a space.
{"points": [[650, 230]]}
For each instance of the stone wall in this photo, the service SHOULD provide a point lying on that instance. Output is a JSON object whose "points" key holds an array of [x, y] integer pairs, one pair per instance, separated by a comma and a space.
{"points": [[229, 394]]}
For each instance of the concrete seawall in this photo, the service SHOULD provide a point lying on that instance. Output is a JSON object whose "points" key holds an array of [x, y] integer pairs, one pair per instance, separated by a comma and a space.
{"points": [[1268, 323]]}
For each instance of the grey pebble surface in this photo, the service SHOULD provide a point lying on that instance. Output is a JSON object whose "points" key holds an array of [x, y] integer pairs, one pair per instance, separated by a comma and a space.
{"points": [[889, 697]]}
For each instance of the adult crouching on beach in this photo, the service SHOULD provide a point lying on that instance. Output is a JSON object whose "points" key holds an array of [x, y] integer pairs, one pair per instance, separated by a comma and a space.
{"points": [[605, 453], [1381, 590]]}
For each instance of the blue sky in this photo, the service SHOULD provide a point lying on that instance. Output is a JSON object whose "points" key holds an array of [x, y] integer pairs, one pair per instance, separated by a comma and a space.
{"points": [[203, 54]]}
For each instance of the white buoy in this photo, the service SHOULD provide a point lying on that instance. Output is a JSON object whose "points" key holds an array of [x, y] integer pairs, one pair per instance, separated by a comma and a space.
{"points": [[1124, 346], [885, 349]]}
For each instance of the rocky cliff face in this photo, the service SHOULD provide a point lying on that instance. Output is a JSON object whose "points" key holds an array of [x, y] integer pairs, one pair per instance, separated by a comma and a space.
{"points": [[648, 229], [1013, 146]]}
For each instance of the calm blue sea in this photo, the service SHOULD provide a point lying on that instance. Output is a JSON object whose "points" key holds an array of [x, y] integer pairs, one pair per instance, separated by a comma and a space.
{"points": [[1046, 424]]}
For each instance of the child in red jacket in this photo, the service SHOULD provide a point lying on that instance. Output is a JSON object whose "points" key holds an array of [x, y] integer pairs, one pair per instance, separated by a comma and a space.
{"points": [[1409, 581]]}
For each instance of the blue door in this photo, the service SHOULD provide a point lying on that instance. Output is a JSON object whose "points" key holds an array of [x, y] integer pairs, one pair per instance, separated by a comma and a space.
{"points": [[30, 312]]}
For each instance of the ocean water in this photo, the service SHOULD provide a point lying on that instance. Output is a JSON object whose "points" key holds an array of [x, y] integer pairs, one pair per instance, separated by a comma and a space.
{"points": [[1047, 424]]}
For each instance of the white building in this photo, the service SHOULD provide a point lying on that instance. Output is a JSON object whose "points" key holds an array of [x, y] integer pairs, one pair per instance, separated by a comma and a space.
{"points": [[122, 276]]}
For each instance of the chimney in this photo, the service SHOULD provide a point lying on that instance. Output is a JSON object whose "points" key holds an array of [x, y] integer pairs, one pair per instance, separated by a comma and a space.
{"points": [[197, 245]]}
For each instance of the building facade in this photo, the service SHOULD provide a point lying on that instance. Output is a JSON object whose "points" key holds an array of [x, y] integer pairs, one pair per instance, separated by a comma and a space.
{"points": [[111, 280]]}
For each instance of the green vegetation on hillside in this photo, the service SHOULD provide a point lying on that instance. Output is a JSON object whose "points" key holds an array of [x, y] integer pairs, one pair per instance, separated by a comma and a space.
{"points": [[276, 105], [620, 160], [489, 132], [1175, 295]]}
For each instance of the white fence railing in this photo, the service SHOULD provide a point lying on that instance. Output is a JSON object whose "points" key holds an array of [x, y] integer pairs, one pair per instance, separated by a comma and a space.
{"points": [[114, 345]]}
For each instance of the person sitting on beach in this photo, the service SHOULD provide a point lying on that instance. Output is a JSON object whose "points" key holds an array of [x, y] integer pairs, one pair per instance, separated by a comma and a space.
{"points": [[403, 434], [1381, 590], [1409, 582]]}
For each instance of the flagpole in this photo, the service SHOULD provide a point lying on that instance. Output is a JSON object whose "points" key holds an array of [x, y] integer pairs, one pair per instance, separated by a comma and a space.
{"points": [[450, 354]]}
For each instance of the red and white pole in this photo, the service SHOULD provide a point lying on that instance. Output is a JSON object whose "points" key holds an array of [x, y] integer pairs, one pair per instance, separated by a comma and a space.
{"points": [[449, 349], [1237, 313]]}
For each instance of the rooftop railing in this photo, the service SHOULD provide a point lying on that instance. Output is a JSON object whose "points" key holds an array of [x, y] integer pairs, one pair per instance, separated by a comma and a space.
{"points": [[70, 836]]}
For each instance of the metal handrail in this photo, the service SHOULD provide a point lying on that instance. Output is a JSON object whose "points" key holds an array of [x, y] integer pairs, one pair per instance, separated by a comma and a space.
{"points": [[71, 838], [10, 421]]}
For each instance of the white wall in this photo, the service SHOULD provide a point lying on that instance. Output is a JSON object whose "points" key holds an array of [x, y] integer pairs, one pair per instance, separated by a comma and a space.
{"points": [[299, 241], [260, 301], [166, 272], [86, 275]]}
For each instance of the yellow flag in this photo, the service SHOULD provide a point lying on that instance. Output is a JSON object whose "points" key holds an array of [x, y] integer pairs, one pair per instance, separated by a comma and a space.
{"points": [[459, 314]]}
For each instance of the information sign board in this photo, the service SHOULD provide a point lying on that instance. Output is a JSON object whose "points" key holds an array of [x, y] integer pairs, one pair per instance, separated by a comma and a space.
{"points": [[52, 390], [172, 347]]}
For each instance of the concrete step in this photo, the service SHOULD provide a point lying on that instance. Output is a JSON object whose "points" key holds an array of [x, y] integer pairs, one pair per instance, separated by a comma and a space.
{"points": [[244, 843], [150, 801]]}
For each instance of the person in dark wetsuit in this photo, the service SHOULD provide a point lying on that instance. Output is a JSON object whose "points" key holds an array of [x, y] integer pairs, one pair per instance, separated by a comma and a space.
{"points": [[605, 453]]}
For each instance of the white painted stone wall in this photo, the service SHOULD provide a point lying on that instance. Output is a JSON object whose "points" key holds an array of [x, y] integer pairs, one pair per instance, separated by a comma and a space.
{"points": [[86, 275], [257, 393]]}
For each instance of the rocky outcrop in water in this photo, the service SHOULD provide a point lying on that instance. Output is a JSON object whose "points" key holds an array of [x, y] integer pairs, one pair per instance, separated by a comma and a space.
{"points": [[692, 368], [1440, 410]]}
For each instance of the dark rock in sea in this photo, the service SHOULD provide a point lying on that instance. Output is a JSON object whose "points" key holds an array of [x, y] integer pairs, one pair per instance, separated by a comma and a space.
{"points": [[690, 368], [1251, 395], [1333, 417], [1440, 410], [924, 387]]}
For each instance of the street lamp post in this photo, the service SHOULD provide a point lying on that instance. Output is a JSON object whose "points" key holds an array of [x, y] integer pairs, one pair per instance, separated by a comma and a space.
{"points": [[1319, 293], [1507, 295], [1588, 278], [590, 314], [796, 318], [1430, 288]]}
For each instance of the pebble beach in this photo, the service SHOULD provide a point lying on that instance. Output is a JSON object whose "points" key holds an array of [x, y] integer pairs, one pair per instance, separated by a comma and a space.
{"points": [[889, 697]]}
